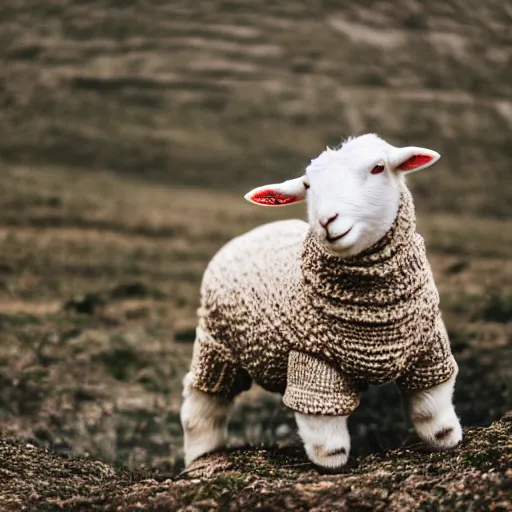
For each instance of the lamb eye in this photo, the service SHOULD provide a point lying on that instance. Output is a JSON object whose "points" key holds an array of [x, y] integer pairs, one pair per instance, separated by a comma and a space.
{"points": [[378, 169], [306, 185]]}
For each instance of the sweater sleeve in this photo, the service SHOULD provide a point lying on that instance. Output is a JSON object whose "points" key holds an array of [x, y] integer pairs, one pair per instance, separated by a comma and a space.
{"points": [[436, 363], [214, 371], [315, 387]]}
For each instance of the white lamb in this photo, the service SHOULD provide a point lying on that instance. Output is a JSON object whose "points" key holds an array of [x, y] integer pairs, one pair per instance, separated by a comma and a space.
{"points": [[318, 311]]}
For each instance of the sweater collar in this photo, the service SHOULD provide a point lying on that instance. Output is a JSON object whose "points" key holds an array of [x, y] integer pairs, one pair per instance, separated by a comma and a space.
{"points": [[379, 262]]}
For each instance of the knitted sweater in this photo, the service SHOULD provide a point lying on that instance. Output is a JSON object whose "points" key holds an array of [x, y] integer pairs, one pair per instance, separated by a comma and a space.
{"points": [[278, 309]]}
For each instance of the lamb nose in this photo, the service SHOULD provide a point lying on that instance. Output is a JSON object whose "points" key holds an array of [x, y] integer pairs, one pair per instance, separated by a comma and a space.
{"points": [[325, 221]]}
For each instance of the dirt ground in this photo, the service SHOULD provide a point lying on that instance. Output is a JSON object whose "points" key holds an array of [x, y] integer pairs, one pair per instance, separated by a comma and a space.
{"points": [[474, 478]]}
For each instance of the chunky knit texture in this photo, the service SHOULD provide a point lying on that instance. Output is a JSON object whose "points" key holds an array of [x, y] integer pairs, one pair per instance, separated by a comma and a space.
{"points": [[278, 309]]}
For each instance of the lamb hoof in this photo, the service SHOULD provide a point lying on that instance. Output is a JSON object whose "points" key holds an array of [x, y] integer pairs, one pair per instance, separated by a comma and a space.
{"points": [[441, 433], [447, 437], [327, 460]]}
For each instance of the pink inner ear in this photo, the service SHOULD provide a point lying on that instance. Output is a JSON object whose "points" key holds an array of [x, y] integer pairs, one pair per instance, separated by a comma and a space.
{"points": [[415, 161], [272, 198]]}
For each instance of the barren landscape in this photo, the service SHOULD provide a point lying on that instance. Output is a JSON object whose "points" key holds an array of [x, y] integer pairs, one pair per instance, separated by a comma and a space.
{"points": [[129, 133]]}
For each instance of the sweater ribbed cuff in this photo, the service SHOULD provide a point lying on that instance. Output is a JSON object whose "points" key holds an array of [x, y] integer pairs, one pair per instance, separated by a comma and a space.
{"points": [[315, 387]]}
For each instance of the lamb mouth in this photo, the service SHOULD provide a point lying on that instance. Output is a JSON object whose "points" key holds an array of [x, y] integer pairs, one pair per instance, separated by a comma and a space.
{"points": [[332, 239]]}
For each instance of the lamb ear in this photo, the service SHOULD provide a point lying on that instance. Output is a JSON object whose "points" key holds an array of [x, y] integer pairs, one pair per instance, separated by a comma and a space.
{"points": [[412, 159], [282, 194]]}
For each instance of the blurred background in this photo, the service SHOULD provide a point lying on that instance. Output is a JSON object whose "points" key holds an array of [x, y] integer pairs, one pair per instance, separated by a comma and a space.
{"points": [[129, 131]]}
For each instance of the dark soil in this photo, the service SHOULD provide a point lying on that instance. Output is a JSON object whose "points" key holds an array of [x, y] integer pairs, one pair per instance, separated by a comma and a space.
{"points": [[476, 476]]}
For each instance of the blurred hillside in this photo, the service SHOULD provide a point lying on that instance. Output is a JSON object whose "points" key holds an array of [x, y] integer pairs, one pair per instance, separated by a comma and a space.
{"points": [[231, 94]]}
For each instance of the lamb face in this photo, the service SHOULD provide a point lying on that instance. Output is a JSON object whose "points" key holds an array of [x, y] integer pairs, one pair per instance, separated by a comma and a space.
{"points": [[353, 192]]}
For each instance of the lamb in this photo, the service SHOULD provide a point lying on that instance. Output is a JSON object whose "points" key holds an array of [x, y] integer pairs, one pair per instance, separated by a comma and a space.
{"points": [[317, 311]]}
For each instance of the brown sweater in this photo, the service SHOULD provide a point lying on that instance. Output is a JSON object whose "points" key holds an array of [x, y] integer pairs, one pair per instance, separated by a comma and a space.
{"points": [[278, 309]]}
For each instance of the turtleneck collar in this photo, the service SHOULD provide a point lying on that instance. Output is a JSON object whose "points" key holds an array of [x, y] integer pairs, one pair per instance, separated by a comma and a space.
{"points": [[379, 267]]}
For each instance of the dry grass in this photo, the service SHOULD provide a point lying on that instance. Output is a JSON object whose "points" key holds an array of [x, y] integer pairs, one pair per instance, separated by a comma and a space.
{"points": [[76, 232]]}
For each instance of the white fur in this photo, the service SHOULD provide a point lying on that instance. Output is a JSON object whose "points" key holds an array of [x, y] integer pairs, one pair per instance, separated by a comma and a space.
{"points": [[326, 439], [433, 416], [204, 420]]}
